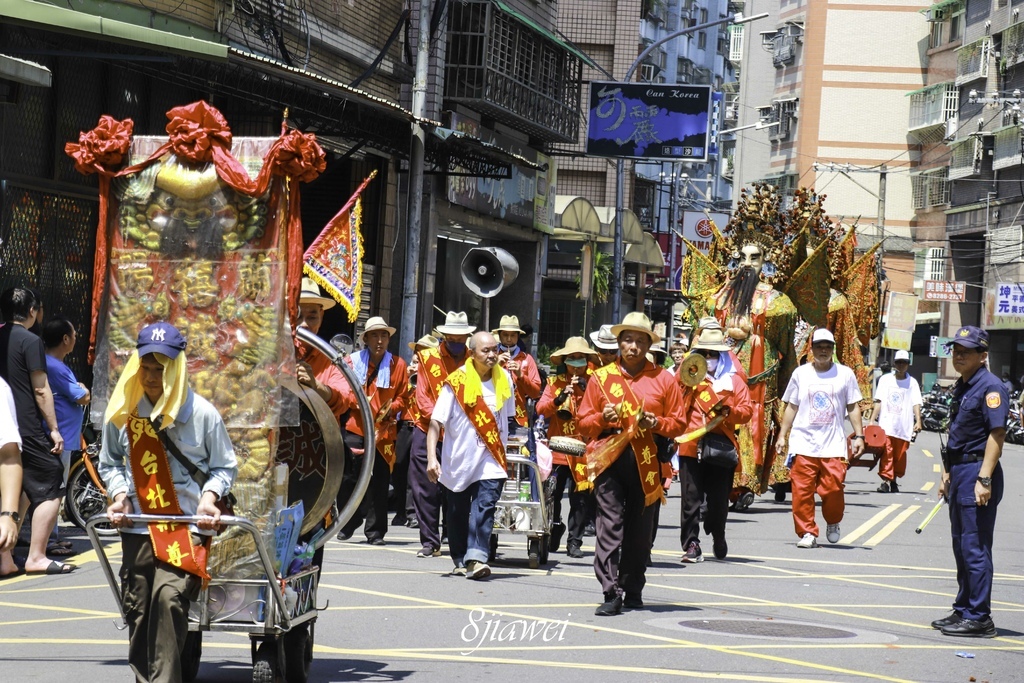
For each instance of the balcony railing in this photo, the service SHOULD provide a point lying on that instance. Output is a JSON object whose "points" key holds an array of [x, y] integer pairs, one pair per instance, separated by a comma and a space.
{"points": [[1006, 151], [972, 61], [506, 65]]}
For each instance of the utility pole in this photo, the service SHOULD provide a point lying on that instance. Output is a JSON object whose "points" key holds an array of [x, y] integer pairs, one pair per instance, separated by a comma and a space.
{"points": [[410, 286], [673, 247], [620, 165]]}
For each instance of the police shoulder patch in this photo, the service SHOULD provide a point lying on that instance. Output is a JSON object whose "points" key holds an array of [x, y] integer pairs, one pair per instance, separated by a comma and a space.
{"points": [[993, 400]]}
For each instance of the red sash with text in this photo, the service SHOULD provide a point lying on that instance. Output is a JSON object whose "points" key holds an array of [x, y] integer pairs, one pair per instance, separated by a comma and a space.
{"points": [[154, 486], [480, 415], [521, 417], [601, 453], [577, 463]]}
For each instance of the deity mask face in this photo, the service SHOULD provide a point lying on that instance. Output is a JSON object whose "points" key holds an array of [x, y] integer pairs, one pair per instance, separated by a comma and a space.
{"points": [[751, 256]]}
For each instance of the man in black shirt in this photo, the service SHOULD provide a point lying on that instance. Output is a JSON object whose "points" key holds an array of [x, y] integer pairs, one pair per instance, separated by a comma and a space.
{"points": [[23, 366]]}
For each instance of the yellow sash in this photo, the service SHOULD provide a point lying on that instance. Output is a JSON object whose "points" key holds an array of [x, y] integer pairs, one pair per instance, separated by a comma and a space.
{"points": [[480, 415], [601, 453], [172, 543]]}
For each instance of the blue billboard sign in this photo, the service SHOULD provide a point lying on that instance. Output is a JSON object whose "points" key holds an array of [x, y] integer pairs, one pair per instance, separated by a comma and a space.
{"points": [[645, 121]]}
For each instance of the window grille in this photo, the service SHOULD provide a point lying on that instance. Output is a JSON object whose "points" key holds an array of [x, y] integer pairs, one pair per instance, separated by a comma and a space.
{"points": [[933, 106], [1006, 150], [963, 158], [935, 264], [736, 42], [1005, 246], [1013, 45]]}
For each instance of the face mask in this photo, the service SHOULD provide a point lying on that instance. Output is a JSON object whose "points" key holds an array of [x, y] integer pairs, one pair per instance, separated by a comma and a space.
{"points": [[456, 348], [576, 362], [712, 365], [505, 349]]}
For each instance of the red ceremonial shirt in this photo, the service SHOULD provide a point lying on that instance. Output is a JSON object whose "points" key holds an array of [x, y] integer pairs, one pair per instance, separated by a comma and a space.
{"points": [[655, 386]]}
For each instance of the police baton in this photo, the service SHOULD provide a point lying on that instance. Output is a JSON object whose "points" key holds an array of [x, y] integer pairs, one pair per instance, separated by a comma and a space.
{"points": [[935, 511]]}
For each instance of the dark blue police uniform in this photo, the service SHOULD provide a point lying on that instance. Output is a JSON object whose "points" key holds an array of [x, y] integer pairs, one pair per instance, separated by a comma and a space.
{"points": [[983, 407]]}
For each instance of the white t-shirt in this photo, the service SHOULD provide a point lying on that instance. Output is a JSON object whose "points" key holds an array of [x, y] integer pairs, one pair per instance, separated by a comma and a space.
{"points": [[8, 417], [898, 398], [821, 399], [464, 457]]}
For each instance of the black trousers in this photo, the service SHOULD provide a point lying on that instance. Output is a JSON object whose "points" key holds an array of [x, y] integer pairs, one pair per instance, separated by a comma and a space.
{"points": [[582, 505], [374, 507], [401, 501], [622, 521], [426, 495], [698, 481]]}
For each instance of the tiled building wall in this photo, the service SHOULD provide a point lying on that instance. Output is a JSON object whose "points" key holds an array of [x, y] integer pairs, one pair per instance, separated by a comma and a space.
{"points": [[334, 39]]}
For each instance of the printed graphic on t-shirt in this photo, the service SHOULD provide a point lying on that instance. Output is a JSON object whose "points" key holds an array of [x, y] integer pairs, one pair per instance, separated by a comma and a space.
{"points": [[823, 409], [896, 397]]}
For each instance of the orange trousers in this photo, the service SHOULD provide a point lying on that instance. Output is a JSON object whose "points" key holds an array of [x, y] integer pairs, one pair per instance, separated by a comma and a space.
{"points": [[824, 476], [894, 460]]}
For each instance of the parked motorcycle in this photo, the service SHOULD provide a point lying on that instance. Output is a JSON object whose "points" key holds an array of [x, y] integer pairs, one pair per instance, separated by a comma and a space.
{"points": [[1014, 426], [936, 408], [86, 495]]}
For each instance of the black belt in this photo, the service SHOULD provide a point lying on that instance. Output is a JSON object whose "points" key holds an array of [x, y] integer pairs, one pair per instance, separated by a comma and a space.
{"points": [[966, 458]]}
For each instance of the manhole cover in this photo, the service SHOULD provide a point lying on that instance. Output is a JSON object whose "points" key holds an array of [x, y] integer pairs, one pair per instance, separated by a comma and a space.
{"points": [[765, 629]]}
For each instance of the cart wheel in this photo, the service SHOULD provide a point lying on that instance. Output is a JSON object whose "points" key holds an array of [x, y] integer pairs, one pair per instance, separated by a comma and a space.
{"points": [[264, 666], [298, 654], [534, 550], [492, 552], [191, 655], [545, 543]]}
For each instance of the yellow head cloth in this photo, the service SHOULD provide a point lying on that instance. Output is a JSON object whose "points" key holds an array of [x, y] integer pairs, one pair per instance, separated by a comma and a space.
{"points": [[128, 392], [474, 385]]}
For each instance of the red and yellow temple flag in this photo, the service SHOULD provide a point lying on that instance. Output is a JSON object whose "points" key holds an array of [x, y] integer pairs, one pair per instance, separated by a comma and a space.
{"points": [[335, 259]]}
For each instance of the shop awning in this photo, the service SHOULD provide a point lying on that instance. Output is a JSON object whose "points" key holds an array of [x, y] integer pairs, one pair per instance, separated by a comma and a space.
{"points": [[547, 33], [53, 18], [576, 220], [25, 72], [632, 231], [648, 253]]}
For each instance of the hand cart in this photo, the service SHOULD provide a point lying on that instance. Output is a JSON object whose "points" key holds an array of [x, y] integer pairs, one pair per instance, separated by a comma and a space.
{"points": [[523, 506], [281, 630]]}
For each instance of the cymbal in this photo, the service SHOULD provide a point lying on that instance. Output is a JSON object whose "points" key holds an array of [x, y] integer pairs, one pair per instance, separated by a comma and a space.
{"points": [[693, 369]]}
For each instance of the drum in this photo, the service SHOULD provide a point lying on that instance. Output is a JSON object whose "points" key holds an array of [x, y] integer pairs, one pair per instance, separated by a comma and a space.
{"points": [[567, 445], [314, 453]]}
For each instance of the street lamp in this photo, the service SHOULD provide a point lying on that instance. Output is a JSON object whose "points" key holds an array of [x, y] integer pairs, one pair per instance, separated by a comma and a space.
{"points": [[620, 164]]}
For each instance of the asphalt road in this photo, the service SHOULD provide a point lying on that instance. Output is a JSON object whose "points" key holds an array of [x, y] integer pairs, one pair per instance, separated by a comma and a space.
{"points": [[855, 611]]}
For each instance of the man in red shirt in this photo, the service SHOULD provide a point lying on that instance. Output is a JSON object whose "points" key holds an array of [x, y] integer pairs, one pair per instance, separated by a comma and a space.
{"points": [[434, 367], [382, 376], [520, 365], [314, 369], [625, 404], [727, 396], [560, 405]]}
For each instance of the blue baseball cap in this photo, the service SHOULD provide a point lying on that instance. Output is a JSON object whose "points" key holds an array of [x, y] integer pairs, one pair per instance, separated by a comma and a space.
{"points": [[162, 338], [970, 337]]}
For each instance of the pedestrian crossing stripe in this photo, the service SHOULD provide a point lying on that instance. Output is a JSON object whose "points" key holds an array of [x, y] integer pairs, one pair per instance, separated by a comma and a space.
{"points": [[870, 524], [891, 526]]}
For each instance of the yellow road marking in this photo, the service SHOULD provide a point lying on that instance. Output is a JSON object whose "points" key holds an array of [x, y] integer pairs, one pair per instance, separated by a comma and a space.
{"points": [[47, 621], [891, 526], [867, 526], [647, 636], [927, 453], [58, 608], [928, 486]]}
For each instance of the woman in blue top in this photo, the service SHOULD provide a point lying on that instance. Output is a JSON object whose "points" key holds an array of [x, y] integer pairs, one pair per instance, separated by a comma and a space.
{"points": [[69, 398]]}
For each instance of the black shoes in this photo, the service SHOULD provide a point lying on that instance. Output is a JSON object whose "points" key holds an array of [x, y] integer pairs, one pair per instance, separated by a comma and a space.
{"points": [[884, 487], [720, 547], [344, 535], [633, 601], [970, 628], [555, 540], [574, 550], [376, 541], [589, 530], [954, 617], [893, 487], [611, 606]]}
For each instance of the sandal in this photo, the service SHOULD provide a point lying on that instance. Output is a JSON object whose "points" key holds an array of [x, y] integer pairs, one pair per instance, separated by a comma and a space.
{"points": [[59, 551], [54, 568]]}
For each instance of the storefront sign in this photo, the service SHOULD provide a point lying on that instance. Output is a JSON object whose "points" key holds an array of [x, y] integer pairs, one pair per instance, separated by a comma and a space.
{"points": [[937, 347], [697, 229], [1004, 307], [938, 290], [900, 321], [511, 199], [896, 339], [649, 121]]}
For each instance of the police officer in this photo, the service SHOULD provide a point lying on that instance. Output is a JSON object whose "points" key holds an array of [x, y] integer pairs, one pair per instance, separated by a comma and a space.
{"points": [[973, 482]]}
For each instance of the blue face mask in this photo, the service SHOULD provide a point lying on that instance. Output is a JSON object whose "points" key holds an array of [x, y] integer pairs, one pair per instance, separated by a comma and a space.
{"points": [[456, 348], [712, 365], [504, 349]]}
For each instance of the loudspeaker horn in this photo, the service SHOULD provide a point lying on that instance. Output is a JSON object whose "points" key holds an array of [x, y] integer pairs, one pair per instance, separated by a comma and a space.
{"points": [[488, 270]]}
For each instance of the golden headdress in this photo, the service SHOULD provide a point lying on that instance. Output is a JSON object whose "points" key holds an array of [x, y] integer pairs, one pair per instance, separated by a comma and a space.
{"points": [[758, 220]]}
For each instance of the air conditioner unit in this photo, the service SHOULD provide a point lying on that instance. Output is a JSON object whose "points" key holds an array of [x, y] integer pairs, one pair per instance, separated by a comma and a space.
{"points": [[935, 15], [952, 126]]}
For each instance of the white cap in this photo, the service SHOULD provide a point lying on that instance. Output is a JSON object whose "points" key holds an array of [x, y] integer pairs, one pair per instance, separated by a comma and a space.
{"points": [[821, 334], [902, 355]]}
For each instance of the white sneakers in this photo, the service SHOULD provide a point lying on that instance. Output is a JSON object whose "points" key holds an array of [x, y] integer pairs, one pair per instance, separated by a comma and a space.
{"points": [[832, 533], [808, 541]]}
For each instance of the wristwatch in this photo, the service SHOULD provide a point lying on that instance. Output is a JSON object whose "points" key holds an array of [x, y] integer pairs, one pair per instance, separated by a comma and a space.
{"points": [[13, 515], [858, 436], [984, 481]]}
